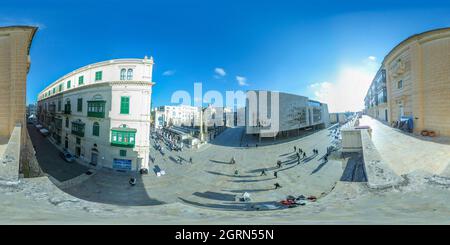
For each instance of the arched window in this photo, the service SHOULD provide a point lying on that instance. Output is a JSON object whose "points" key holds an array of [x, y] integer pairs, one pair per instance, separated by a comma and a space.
{"points": [[96, 129], [122, 74], [130, 74]]}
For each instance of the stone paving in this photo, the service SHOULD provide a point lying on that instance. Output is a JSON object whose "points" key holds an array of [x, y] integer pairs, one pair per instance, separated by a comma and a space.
{"points": [[3, 143], [406, 153], [211, 180], [423, 199]]}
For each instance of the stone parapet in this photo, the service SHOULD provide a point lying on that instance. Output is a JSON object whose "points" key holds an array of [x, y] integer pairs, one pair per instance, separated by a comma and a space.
{"points": [[379, 174]]}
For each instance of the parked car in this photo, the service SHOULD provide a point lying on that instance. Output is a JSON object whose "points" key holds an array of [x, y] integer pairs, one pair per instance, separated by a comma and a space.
{"points": [[67, 156], [44, 132]]}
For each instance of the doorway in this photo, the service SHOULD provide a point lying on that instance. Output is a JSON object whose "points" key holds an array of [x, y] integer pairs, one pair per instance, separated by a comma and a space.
{"points": [[77, 151], [94, 158]]}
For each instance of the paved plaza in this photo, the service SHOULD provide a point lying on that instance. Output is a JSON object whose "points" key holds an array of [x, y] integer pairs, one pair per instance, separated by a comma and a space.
{"points": [[406, 153], [211, 181], [3, 143], [204, 192]]}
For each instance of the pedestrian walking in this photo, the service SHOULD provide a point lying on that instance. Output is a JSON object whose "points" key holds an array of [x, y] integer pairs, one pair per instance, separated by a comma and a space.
{"points": [[304, 154], [295, 148], [263, 172], [275, 174], [236, 172], [190, 160], [277, 185], [279, 164], [232, 161]]}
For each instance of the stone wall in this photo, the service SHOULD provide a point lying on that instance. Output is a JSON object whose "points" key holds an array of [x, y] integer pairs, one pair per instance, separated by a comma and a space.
{"points": [[29, 166], [9, 161], [14, 65]]}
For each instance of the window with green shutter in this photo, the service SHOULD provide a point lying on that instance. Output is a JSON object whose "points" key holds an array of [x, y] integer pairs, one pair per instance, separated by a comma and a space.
{"points": [[98, 76], [60, 87], [80, 80], [96, 129], [123, 153], [54, 90], [80, 104], [68, 84], [124, 105]]}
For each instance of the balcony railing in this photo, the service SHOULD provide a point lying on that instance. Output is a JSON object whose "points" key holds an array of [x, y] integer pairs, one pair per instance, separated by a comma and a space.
{"points": [[78, 128]]}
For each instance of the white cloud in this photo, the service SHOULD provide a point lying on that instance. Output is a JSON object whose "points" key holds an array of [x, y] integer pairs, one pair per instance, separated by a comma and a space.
{"points": [[372, 58], [168, 73], [242, 81], [348, 91], [220, 72]]}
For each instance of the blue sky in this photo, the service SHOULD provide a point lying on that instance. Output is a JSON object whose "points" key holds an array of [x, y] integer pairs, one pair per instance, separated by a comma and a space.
{"points": [[327, 50]]}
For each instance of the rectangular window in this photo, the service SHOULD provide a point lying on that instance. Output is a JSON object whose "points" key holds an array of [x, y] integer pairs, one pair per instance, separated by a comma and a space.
{"points": [[60, 87], [98, 76], [68, 84], [123, 153], [59, 105], [124, 105], [67, 122], [80, 80], [80, 104], [54, 90], [400, 84], [96, 129], [78, 141]]}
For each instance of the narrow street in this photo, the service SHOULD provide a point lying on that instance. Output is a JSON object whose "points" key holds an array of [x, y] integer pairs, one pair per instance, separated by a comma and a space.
{"points": [[50, 160]]}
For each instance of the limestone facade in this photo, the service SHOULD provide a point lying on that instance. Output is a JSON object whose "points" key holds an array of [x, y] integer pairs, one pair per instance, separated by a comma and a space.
{"points": [[418, 81], [15, 42], [101, 113]]}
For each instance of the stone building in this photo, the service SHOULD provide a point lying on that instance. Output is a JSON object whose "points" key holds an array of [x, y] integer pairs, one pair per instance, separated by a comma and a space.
{"points": [[16, 150], [15, 43], [101, 113], [418, 81]]}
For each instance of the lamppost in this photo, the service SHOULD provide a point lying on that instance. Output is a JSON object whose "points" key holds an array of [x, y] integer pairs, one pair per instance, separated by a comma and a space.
{"points": [[202, 134]]}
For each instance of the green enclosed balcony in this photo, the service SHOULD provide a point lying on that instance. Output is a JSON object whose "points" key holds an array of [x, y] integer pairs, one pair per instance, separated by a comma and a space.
{"points": [[78, 128], [123, 137], [96, 108]]}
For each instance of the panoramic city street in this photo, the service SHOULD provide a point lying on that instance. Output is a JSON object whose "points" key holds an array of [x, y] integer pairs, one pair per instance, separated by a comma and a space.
{"points": [[225, 113]]}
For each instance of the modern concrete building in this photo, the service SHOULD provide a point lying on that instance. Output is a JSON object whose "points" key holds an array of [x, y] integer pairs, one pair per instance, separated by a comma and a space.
{"points": [[338, 117], [376, 98], [294, 112], [417, 75], [101, 112]]}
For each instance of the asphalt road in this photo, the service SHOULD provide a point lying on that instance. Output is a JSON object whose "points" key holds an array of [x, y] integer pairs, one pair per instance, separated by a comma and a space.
{"points": [[50, 160]]}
